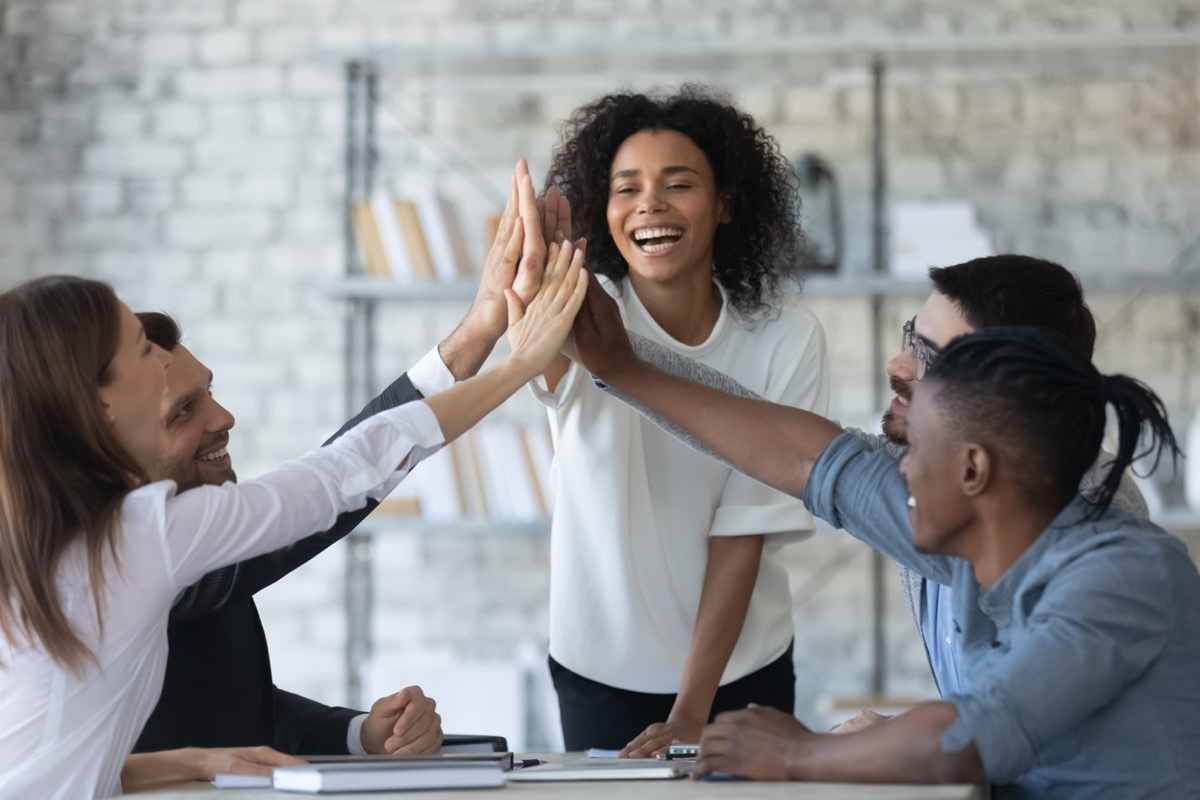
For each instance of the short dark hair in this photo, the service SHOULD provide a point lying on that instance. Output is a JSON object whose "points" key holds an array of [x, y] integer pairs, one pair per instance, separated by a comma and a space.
{"points": [[753, 252], [161, 329], [1029, 392], [1019, 290]]}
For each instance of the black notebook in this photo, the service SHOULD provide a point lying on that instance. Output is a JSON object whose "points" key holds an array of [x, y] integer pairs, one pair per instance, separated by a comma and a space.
{"points": [[373, 776]]}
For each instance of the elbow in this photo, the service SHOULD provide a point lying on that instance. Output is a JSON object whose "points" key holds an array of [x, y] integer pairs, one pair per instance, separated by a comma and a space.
{"points": [[964, 766]]}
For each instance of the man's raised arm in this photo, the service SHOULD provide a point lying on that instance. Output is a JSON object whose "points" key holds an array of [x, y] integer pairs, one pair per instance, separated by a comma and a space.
{"points": [[772, 443]]}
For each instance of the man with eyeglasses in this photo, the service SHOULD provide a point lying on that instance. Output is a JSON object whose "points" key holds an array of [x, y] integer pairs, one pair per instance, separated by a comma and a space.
{"points": [[982, 293], [1009, 290]]}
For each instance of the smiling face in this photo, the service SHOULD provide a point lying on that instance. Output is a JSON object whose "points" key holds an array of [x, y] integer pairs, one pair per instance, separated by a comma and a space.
{"points": [[936, 324], [935, 465], [663, 208], [135, 382], [196, 428]]}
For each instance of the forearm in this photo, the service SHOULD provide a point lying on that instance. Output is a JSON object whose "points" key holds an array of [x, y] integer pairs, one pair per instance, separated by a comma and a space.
{"points": [[733, 563], [144, 771], [772, 443], [905, 749], [468, 346], [463, 405]]}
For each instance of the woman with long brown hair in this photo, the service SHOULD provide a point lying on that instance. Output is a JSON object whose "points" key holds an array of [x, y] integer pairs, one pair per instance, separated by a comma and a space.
{"points": [[91, 555]]}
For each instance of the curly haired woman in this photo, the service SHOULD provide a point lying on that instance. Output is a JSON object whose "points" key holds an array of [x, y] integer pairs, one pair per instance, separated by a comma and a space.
{"points": [[666, 604]]}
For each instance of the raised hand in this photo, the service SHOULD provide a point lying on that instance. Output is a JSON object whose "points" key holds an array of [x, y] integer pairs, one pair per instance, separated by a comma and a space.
{"points": [[556, 216], [515, 260], [537, 330], [404, 722], [517, 256], [599, 340]]}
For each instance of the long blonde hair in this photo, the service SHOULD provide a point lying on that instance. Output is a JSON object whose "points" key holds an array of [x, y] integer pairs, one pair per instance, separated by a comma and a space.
{"points": [[63, 474]]}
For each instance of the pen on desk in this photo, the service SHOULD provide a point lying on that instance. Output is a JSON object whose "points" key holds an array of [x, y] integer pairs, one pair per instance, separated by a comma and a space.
{"points": [[522, 763]]}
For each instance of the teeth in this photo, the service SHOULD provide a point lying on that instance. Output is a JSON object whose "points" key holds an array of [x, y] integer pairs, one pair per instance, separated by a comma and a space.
{"points": [[904, 401], [655, 233], [214, 455]]}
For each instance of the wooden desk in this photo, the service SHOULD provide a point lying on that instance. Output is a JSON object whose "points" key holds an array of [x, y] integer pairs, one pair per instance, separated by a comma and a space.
{"points": [[683, 789]]}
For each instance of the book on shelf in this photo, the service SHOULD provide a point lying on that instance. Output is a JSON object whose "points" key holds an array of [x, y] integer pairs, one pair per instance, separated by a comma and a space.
{"points": [[443, 236], [496, 471], [389, 775], [371, 254], [391, 238], [414, 240]]}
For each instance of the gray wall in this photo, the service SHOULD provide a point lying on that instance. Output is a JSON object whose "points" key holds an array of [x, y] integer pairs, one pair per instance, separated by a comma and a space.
{"points": [[189, 151]]}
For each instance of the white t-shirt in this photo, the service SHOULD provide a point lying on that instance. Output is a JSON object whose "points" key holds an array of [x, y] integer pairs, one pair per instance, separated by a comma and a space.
{"points": [[634, 509], [64, 735]]}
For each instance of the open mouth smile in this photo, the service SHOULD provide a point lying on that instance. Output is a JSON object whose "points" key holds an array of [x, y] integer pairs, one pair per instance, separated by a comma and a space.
{"points": [[656, 240]]}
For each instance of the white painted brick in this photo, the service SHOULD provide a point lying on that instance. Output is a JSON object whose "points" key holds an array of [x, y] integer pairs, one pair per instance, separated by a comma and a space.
{"points": [[317, 225], [261, 191], [1107, 100], [96, 197], [149, 195], [107, 232], [169, 15], [174, 49], [992, 104], [144, 160], [231, 154], [181, 121], [284, 45], [200, 229], [320, 80], [268, 13], [286, 118], [229, 83], [120, 121], [224, 48], [230, 120], [806, 104]]}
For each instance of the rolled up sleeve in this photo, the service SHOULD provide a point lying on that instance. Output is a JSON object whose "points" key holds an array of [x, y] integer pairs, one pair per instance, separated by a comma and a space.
{"points": [[1096, 627]]}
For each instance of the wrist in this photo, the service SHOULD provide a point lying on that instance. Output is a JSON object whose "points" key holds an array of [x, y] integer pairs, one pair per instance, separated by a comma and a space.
{"points": [[468, 346]]}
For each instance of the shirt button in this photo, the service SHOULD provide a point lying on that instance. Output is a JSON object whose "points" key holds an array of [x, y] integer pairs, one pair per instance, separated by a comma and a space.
{"points": [[949, 640]]}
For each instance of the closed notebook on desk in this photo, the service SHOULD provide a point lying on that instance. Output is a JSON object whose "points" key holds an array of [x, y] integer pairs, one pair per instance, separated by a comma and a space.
{"points": [[605, 769], [390, 775], [505, 759]]}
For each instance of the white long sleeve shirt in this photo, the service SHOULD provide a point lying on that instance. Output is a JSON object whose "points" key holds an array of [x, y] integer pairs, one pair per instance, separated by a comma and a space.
{"points": [[66, 735]]}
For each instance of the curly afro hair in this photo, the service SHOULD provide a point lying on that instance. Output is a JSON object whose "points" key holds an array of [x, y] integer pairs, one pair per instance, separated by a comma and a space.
{"points": [[762, 243]]}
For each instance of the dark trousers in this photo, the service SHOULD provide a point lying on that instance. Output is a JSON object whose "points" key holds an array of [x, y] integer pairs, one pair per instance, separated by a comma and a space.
{"points": [[596, 715]]}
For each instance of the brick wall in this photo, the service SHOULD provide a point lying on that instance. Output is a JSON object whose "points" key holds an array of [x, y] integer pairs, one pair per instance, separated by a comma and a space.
{"points": [[190, 153]]}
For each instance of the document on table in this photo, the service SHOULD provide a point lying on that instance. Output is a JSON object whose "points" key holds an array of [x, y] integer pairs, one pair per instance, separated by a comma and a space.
{"points": [[226, 781], [596, 752]]}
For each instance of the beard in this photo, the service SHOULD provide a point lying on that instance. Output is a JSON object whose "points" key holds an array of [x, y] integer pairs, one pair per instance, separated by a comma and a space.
{"points": [[186, 473], [895, 428]]}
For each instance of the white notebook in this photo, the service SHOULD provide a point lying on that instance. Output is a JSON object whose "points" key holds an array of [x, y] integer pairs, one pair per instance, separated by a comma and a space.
{"points": [[364, 776]]}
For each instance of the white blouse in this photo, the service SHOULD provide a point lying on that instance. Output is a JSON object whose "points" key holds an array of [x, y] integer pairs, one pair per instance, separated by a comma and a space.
{"points": [[66, 735]]}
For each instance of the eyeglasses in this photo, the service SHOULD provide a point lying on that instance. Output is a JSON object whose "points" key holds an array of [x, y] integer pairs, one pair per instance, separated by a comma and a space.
{"points": [[923, 354]]}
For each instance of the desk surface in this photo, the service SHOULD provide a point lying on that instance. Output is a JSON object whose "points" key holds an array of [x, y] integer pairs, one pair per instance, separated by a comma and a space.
{"points": [[606, 790]]}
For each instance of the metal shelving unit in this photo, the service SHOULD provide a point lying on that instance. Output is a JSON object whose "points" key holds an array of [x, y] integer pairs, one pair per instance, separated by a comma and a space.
{"points": [[492, 69]]}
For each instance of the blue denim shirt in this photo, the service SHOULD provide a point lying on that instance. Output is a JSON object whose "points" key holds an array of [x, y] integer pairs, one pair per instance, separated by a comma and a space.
{"points": [[1083, 661], [941, 637]]}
